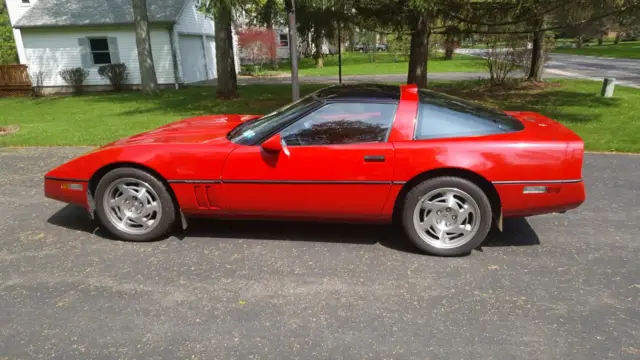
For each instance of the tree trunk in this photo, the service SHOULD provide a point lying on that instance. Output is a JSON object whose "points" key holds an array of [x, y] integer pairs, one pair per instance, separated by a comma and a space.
{"points": [[449, 46], [419, 52], [600, 39], [269, 7], [227, 87], [273, 51], [579, 41], [352, 40], [143, 43], [317, 44], [618, 37], [537, 57]]}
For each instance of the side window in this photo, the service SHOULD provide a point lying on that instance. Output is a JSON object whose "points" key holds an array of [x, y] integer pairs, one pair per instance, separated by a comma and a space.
{"points": [[443, 116], [100, 51], [342, 123], [284, 40]]}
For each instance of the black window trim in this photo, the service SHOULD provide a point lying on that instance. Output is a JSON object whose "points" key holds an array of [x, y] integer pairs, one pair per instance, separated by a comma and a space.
{"points": [[326, 102]]}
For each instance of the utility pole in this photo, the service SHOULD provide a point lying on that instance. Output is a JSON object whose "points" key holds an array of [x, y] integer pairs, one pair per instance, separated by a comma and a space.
{"points": [[339, 54], [290, 6]]}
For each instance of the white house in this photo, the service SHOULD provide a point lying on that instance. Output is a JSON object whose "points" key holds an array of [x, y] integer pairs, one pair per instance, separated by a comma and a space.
{"points": [[52, 35]]}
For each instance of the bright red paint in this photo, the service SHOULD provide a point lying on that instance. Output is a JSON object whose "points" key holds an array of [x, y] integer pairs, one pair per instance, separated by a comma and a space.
{"points": [[325, 182]]}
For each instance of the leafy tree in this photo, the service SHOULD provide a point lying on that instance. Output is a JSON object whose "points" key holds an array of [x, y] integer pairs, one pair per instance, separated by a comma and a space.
{"points": [[414, 17], [318, 20], [223, 14], [535, 17], [626, 23], [399, 46], [8, 52]]}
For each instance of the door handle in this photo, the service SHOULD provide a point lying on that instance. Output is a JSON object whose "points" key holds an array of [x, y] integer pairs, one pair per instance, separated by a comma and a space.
{"points": [[374, 158]]}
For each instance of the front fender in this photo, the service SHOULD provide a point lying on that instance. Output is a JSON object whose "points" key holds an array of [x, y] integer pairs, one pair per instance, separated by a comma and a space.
{"points": [[85, 166]]}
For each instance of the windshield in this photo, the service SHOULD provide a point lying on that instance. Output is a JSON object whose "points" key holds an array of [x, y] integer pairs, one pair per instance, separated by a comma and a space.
{"points": [[247, 132]]}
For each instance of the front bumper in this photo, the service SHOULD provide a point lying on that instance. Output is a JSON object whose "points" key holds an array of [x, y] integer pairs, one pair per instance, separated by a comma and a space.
{"points": [[71, 191]]}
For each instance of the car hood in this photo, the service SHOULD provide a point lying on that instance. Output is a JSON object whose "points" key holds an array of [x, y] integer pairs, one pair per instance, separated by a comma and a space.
{"points": [[200, 129]]}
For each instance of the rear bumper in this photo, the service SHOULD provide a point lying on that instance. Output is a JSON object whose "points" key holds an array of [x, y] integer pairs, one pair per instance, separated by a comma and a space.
{"points": [[70, 191], [558, 198]]}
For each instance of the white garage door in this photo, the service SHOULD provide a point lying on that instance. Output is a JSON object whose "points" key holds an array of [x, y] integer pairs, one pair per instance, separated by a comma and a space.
{"points": [[211, 57], [193, 58]]}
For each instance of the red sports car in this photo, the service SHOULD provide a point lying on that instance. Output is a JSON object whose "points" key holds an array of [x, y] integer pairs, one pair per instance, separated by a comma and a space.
{"points": [[445, 168]]}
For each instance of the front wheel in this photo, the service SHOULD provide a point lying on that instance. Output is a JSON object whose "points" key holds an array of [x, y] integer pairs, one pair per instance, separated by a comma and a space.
{"points": [[446, 216], [133, 205]]}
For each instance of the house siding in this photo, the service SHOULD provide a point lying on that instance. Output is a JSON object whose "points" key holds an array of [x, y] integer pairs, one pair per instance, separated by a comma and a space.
{"points": [[192, 21], [52, 50]]}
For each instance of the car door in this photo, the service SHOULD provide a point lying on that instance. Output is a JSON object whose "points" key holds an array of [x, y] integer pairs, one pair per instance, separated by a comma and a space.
{"points": [[336, 164]]}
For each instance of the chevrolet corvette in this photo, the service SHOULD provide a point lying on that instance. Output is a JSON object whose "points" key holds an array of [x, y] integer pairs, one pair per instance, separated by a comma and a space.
{"points": [[445, 169]]}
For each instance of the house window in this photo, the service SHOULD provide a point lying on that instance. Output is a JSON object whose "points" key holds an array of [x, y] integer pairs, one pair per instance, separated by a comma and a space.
{"points": [[284, 40], [100, 51]]}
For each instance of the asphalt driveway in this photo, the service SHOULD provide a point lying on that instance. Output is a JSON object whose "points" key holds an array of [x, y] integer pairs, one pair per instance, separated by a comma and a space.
{"points": [[551, 287]]}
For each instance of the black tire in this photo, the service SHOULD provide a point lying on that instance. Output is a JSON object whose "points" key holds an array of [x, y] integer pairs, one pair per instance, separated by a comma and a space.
{"points": [[417, 192], [167, 220]]}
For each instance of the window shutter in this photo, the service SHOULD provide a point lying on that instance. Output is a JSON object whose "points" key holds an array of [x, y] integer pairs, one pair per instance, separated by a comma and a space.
{"points": [[85, 53], [113, 50]]}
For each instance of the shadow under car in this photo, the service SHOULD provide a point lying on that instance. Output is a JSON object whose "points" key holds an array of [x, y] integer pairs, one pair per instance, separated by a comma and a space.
{"points": [[516, 231]]}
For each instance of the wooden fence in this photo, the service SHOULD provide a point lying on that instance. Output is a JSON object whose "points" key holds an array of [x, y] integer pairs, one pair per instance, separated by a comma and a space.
{"points": [[14, 80]]}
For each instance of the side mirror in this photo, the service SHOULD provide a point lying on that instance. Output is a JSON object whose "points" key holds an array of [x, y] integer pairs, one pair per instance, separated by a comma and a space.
{"points": [[273, 144]]}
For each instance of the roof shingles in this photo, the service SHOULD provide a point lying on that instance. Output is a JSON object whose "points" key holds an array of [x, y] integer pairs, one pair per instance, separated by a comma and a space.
{"points": [[54, 13]]}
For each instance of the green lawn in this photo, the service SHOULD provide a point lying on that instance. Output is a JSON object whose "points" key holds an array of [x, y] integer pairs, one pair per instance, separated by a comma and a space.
{"points": [[628, 50], [359, 64], [96, 119], [605, 124]]}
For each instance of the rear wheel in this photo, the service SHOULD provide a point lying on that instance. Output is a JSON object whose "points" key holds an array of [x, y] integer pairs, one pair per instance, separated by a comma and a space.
{"points": [[446, 216], [133, 205]]}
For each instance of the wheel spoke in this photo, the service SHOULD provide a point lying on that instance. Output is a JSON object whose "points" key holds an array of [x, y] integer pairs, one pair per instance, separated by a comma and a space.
{"points": [[441, 199], [125, 190], [463, 214], [117, 202], [141, 194], [149, 209], [140, 221], [462, 229], [442, 236], [451, 200], [428, 220]]}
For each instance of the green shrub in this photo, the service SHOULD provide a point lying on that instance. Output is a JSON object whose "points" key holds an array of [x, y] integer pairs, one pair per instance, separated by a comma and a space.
{"points": [[116, 73], [74, 77]]}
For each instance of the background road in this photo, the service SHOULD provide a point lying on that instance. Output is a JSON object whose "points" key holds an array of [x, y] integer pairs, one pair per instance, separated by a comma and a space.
{"points": [[625, 71], [553, 287]]}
